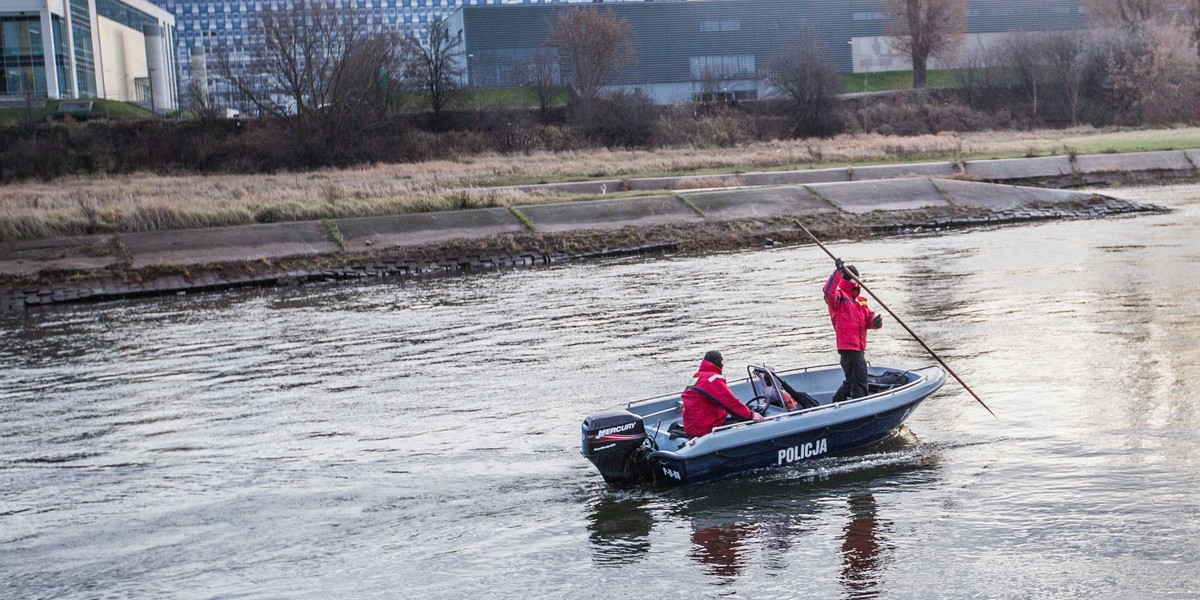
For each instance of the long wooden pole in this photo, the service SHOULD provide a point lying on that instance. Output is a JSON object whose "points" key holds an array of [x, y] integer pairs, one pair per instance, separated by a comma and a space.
{"points": [[900, 321]]}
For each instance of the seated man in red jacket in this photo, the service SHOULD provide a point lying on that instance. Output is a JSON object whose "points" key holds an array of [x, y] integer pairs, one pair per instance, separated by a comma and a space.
{"points": [[708, 399]]}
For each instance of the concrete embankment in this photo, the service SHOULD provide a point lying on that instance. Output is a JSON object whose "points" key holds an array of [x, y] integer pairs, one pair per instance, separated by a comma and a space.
{"points": [[1047, 171], [841, 202]]}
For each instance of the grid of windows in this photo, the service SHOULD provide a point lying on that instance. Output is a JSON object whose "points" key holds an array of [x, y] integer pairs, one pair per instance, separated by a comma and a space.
{"points": [[22, 56], [124, 14], [85, 66], [721, 25], [22, 68], [228, 23], [722, 67]]}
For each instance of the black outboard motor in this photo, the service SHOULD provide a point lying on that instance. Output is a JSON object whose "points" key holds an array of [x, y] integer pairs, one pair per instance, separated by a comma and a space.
{"points": [[615, 442]]}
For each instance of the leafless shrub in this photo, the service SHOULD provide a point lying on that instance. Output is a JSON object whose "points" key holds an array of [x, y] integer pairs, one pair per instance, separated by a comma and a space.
{"points": [[1147, 76], [434, 66], [982, 75], [806, 76], [1125, 14], [543, 77], [317, 69]]}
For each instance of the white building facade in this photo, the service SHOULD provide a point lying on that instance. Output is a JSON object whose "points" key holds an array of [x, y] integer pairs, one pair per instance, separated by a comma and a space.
{"points": [[112, 49]]}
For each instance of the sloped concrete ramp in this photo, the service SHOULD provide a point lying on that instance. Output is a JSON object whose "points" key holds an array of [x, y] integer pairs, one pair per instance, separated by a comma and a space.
{"points": [[222, 244], [999, 198], [608, 214], [754, 203], [426, 228], [860, 197]]}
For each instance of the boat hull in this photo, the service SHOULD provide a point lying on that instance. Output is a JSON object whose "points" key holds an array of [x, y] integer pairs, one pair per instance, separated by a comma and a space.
{"points": [[672, 469], [643, 442]]}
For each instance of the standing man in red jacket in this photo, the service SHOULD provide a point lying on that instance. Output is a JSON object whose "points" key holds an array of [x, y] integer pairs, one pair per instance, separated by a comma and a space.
{"points": [[851, 320], [708, 399]]}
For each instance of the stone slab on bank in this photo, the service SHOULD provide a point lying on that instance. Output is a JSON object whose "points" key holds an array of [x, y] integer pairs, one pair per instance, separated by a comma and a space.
{"points": [[860, 197], [426, 228], [1170, 160], [226, 244], [1184, 162], [83, 253], [608, 214], [931, 169], [752, 203], [1019, 168], [801, 177], [599, 186]]}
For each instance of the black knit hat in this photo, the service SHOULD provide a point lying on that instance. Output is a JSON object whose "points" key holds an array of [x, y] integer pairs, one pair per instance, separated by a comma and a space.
{"points": [[852, 269], [713, 357]]}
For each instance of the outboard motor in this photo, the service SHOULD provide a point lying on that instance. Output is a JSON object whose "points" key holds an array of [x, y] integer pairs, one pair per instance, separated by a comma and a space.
{"points": [[615, 442]]}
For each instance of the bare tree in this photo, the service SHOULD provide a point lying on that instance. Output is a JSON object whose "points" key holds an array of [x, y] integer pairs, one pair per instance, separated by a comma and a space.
{"points": [[1191, 20], [594, 48], [981, 74], [1127, 14], [543, 77], [201, 103], [925, 29], [316, 69], [435, 66], [1068, 56], [1050, 68], [1028, 65], [806, 75], [1150, 75]]}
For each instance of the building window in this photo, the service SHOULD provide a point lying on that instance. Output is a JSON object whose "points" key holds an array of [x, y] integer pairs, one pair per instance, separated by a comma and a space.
{"points": [[733, 66], [869, 16], [720, 25], [725, 96]]}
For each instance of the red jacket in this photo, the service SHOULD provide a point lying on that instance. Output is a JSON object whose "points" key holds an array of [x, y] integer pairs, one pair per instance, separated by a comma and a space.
{"points": [[700, 414], [849, 313]]}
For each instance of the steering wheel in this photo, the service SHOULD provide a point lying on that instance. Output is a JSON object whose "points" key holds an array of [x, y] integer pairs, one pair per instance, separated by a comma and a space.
{"points": [[759, 404]]}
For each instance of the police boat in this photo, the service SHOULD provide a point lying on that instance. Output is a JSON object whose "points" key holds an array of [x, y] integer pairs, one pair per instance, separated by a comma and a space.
{"points": [[645, 441]]}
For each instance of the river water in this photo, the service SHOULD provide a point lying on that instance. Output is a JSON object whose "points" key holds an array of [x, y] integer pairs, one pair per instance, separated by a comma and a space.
{"points": [[420, 439]]}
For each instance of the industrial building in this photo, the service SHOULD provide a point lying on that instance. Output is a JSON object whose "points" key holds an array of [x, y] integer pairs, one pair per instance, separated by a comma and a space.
{"points": [[203, 26], [685, 49], [113, 49], [705, 49]]}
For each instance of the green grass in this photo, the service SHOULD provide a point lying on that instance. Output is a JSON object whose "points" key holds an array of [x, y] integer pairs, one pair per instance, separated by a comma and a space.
{"points": [[1118, 146], [487, 97], [101, 109], [512, 96], [333, 233], [895, 80]]}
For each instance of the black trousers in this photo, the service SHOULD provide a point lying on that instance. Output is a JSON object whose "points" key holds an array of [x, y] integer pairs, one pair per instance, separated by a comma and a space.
{"points": [[854, 367]]}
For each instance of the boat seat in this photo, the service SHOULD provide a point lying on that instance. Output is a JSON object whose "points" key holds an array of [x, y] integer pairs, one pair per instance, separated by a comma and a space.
{"points": [[765, 382], [676, 431]]}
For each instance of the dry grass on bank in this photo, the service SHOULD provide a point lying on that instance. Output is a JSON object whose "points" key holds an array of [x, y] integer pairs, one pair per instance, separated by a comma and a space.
{"points": [[76, 206]]}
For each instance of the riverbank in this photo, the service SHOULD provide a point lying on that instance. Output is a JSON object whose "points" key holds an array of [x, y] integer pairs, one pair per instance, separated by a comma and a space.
{"points": [[119, 204], [841, 203]]}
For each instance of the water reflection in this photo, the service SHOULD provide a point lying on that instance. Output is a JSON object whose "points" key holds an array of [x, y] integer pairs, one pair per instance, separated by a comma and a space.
{"points": [[619, 529], [779, 519], [722, 547], [861, 543]]}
